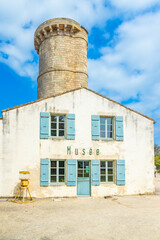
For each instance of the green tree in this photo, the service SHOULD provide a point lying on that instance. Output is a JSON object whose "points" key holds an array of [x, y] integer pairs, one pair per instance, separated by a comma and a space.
{"points": [[157, 156], [156, 150]]}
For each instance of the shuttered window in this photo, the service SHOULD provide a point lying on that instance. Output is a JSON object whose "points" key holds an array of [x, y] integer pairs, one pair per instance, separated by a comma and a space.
{"points": [[107, 171], [57, 171], [57, 126], [106, 127]]}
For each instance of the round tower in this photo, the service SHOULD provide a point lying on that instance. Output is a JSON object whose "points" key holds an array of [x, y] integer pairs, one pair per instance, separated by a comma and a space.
{"points": [[62, 47]]}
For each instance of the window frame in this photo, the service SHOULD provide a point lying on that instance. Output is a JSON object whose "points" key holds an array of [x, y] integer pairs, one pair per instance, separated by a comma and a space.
{"points": [[83, 169], [57, 173], [113, 128], [106, 170], [57, 127]]}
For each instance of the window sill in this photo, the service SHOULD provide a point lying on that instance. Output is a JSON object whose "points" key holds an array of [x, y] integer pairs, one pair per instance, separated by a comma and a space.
{"points": [[107, 183], [57, 138], [57, 184], [107, 139]]}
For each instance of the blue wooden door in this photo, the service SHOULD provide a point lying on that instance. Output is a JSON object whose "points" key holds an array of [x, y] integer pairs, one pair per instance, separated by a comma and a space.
{"points": [[83, 178]]}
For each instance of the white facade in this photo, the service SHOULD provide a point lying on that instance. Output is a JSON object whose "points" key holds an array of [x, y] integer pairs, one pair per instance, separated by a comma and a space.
{"points": [[21, 147]]}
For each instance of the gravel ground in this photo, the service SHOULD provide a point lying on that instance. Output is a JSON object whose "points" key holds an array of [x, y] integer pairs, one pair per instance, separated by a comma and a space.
{"points": [[116, 218]]}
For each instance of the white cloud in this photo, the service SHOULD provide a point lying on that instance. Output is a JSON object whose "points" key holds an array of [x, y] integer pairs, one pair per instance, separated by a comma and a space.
{"points": [[136, 5], [131, 69], [14, 15]]}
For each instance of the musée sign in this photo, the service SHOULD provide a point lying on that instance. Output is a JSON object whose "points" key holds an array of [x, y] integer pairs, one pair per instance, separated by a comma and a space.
{"points": [[83, 151]]}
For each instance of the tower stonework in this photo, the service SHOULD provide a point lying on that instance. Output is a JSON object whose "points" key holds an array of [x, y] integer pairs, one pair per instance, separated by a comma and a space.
{"points": [[62, 47]]}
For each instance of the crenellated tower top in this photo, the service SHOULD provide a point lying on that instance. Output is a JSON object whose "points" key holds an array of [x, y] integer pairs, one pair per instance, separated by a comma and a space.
{"points": [[56, 27]]}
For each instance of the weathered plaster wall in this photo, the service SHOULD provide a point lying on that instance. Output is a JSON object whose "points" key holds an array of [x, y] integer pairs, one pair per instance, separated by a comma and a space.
{"points": [[22, 147]]}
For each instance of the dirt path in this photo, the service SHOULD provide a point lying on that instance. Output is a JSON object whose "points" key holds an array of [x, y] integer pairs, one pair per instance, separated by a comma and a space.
{"points": [[117, 218]]}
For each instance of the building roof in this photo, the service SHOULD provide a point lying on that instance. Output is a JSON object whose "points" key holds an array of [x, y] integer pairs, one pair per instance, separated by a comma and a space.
{"points": [[41, 99]]}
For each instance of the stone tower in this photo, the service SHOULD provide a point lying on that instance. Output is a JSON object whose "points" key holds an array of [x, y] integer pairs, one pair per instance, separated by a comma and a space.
{"points": [[62, 47]]}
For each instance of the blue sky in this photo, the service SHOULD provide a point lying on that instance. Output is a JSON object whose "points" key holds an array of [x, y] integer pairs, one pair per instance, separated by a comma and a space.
{"points": [[123, 50]]}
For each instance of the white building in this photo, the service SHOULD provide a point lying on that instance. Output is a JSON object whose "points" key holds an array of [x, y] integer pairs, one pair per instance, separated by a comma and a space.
{"points": [[76, 143]]}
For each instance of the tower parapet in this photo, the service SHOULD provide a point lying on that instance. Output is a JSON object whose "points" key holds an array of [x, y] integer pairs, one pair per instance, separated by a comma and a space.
{"points": [[62, 47]]}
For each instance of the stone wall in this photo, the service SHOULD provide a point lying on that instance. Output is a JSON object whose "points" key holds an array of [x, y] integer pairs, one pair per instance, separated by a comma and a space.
{"points": [[62, 48]]}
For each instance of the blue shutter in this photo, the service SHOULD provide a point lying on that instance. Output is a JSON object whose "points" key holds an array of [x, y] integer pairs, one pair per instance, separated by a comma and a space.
{"points": [[71, 172], [119, 128], [95, 127], [70, 126], [120, 172], [44, 125], [95, 172], [44, 175]]}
